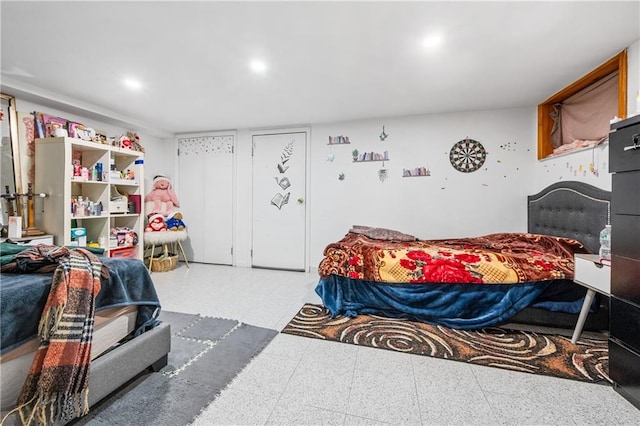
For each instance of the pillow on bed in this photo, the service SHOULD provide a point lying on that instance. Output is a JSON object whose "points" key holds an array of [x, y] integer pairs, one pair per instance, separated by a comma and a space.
{"points": [[381, 233]]}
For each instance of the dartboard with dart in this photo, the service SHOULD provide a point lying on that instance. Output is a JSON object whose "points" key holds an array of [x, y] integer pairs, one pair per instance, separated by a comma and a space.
{"points": [[467, 156]]}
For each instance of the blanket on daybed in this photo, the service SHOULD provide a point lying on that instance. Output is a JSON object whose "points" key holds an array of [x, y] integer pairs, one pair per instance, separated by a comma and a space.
{"points": [[129, 283], [466, 283], [56, 388]]}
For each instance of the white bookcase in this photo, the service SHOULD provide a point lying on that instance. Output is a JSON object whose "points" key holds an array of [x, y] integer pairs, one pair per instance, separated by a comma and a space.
{"points": [[55, 177]]}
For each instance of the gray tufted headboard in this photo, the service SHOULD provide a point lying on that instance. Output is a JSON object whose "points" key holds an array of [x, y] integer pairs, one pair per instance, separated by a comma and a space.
{"points": [[570, 209]]}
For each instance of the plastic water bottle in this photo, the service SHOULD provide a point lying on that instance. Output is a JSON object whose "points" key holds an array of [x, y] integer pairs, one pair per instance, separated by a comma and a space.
{"points": [[605, 242]]}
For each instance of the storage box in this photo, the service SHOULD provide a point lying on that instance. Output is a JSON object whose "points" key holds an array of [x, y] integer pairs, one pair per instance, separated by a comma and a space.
{"points": [[136, 199], [125, 252], [118, 205], [79, 235], [117, 202]]}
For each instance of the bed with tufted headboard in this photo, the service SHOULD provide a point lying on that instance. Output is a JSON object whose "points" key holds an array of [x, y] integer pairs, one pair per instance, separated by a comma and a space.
{"points": [[574, 210], [570, 209], [476, 282]]}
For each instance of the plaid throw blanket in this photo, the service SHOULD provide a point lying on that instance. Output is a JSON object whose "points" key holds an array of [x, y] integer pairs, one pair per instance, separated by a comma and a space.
{"points": [[56, 389]]}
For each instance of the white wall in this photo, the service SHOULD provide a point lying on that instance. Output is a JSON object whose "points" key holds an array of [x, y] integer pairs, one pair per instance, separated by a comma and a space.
{"points": [[446, 204], [159, 153], [577, 166]]}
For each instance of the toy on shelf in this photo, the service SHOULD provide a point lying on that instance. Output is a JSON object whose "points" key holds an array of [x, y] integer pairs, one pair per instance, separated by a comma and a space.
{"points": [[129, 141], [124, 236], [77, 168]]}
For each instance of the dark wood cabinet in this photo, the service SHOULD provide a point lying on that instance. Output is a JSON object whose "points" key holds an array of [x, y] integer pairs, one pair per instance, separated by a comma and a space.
{"points": [[624, 336]]}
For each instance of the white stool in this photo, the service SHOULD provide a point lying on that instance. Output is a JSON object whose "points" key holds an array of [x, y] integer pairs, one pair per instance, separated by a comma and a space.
{"points": [[154, 238]]}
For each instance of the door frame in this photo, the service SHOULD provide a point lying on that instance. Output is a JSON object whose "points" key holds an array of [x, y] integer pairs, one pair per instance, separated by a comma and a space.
{"points": [[307, 186], [234, 184]]}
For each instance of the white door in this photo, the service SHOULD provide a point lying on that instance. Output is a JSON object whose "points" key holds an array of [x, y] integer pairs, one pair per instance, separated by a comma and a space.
{"points": [[206, 197], [279, 200]]}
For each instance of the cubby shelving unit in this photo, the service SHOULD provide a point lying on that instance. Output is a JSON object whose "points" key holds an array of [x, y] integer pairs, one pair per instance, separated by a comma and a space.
{"points": [[55, 177]]}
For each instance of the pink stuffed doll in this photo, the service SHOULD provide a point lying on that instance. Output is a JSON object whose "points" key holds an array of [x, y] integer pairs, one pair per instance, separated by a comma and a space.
{"points": [[162, 199]]}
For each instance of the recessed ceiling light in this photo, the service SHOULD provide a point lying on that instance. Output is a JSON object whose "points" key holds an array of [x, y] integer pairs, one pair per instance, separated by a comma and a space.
{"points": [[258, 66], [432, 41], [132, 84]]}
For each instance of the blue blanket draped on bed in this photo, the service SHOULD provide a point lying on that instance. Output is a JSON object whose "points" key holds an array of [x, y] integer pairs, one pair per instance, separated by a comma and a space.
{"points": [[459, 306], [23, 297]]}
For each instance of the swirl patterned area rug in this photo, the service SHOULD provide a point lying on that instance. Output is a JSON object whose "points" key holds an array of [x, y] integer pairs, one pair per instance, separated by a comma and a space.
{"points": [[525, 351]]}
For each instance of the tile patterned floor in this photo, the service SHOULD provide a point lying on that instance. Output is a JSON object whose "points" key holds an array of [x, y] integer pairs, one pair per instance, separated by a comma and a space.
{"points": [[301, 381]]}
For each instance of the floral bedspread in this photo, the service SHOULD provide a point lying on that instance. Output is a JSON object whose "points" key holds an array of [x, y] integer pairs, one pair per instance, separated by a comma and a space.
{"points": [[505, 258]]}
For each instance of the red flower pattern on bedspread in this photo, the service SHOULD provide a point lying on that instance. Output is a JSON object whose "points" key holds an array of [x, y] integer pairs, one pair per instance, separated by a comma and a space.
{"points": [[442, 269], [496, 258]]}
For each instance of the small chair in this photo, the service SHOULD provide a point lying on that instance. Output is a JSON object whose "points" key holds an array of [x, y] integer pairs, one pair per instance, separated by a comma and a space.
{"points": [[164, 238]]}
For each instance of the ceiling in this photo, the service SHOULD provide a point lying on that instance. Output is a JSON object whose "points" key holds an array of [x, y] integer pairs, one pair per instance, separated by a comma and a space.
{"points": [[326, 61]]}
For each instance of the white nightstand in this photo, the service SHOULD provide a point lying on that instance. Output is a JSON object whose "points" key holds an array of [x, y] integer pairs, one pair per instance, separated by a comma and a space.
{"points": [[590, 273]]}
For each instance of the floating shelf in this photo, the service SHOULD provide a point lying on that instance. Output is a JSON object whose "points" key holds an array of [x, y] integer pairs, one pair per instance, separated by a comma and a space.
{"points": [[417, 172], [339, 140], [371, 156], [370, 161]]}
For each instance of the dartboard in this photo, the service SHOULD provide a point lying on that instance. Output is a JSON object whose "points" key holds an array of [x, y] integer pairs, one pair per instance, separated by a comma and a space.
{"points": [[467, 155]]}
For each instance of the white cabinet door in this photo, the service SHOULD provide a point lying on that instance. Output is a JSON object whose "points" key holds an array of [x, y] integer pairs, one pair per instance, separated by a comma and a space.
{"points": [[206, 197], [279, 200]]}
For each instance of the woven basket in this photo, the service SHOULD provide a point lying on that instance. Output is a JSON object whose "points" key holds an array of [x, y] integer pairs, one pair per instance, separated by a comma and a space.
{"points": [[165, 264]]}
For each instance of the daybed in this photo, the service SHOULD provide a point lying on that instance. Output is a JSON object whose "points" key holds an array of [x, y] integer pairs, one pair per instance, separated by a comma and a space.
{"points": [[127, 337], [471, 283]]}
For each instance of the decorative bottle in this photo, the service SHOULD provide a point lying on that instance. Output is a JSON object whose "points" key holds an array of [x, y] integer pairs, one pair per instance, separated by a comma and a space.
{"points": [[605, 242]]}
